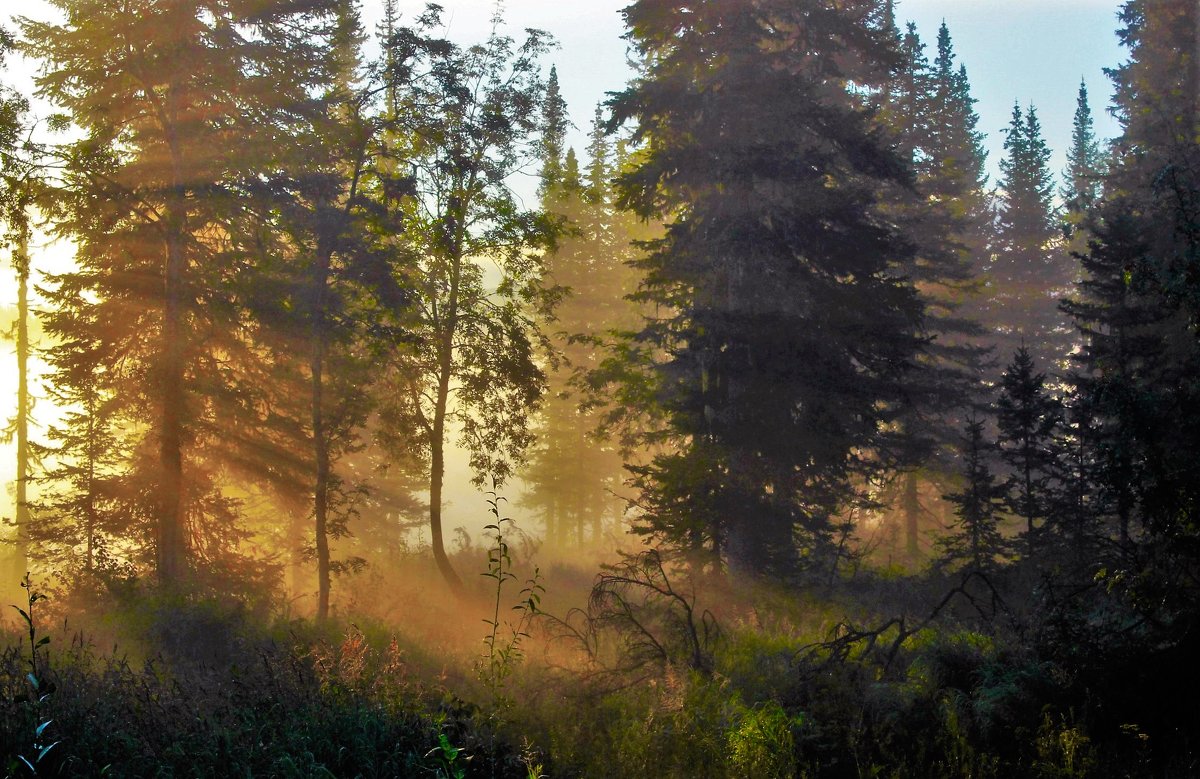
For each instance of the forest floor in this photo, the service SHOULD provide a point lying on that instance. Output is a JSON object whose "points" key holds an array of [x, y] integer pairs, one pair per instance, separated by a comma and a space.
{"points": [[636, 672]]}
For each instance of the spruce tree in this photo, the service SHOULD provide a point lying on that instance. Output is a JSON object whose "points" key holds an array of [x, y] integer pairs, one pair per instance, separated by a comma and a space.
{"points": [[975, 543], [1028, 419], [1083, 176], [172, 103], [16, 190], [573, 475], [783, 328], [1137, 305], [323, 280], [1029, 270], [931, 112], [555, 123]]}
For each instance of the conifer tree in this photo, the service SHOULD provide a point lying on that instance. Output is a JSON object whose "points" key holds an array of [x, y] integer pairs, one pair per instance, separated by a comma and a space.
{"points": [[324, 279], [15, 199], [1137, 306], [975, 542], [783, 330], [1028, 419], [1029, 270], [931, 111], [1083, 176], [573, 475], [88, 505], [555, 123], [169, 100]]}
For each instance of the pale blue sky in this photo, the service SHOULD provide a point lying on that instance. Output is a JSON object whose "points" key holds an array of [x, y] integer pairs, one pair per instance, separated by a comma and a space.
{"points": [[1015, 50], [1031, 51]]}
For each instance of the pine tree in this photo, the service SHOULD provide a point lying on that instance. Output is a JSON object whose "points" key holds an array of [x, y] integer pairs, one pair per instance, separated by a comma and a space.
{"points": [[328, 277], [170, 100], [1137, 305], [15, 198], [1028, 419], [89, 505], [1121, 329], [975, 543], [932, 113], [1084, 173], [555, 123], [574, 476], [1029, 271], [784, 333]]}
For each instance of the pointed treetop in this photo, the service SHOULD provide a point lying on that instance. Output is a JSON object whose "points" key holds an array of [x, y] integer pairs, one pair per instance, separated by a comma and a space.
{"points": [[1081, 179], [1027, 182], [598, 172], [944, 62], [554, 126], [571, 180]]}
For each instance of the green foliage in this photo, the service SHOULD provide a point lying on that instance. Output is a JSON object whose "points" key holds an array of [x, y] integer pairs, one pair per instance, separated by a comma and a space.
{"points": [[778, 306], [322, 710], [39, 691], [466, 123], [762, 744], [1064, 751], [504, 652]]}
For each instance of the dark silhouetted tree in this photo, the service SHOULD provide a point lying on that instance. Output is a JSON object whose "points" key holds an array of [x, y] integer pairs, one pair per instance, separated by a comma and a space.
{"points": [[172, 103], [782, 331], [974, 542], [1028, 418]]}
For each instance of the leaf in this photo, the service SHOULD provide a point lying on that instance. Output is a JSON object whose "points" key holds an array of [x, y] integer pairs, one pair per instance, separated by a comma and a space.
{"points": [[46, 749], [33, 680], [41, 728]]}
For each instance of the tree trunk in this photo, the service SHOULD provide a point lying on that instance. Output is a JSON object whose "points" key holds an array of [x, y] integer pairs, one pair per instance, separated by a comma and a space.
{"points": [[90, 509], [437, 474], [912, 515], [21, 548], [320, 439], [171, 549]]}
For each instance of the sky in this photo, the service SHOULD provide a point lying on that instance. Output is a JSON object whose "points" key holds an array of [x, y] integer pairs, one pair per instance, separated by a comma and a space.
{"points": [[1027, 51]]}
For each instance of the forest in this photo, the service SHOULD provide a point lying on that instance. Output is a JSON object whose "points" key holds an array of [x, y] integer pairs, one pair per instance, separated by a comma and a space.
{"points": [[799, 444]]}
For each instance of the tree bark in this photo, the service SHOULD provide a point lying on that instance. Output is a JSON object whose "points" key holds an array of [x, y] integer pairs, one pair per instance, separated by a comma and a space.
{"points": [[912, 514], [320, 439], [21, 549], [437, 473], [171, 549]]}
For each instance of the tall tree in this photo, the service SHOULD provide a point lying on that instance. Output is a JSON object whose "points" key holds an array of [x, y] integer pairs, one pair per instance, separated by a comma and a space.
{"points": [[1138, 301], [1029, 269], [930, 111], [1028, 419], [16, 184], [168, 98], [573, 475], [782, 330], [470, 120], [555, 123], [328, 200], [1084, 173]]}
